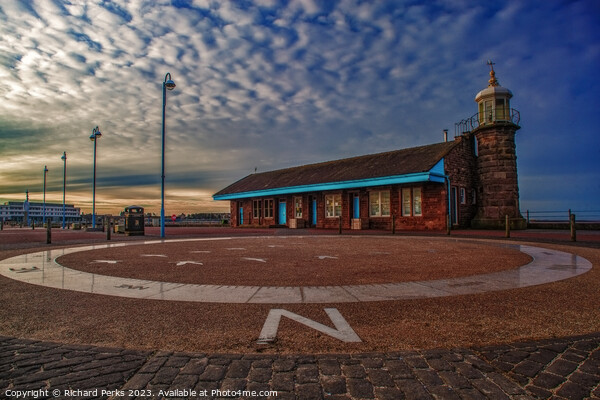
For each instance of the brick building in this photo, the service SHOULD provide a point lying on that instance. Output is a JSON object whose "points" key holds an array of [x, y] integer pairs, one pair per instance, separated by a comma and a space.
{"points": [[469, 181]]}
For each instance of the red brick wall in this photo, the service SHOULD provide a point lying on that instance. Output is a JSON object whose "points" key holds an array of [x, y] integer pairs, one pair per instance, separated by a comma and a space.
{"points": [[434, 207]]}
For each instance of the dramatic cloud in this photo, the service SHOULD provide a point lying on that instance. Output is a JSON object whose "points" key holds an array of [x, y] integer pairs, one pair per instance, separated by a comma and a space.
{"points": [[271, 84]]}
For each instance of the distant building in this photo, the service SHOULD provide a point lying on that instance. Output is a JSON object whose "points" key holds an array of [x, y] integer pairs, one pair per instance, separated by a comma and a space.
{"points": [[26, 212], [470, 181]]}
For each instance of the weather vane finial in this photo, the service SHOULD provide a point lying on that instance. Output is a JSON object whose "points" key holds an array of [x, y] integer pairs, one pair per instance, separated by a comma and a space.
{"points": [[493, 81]]}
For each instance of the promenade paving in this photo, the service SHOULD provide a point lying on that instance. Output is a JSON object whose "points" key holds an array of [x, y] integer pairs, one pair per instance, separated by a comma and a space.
{"points": [[564, 368]]}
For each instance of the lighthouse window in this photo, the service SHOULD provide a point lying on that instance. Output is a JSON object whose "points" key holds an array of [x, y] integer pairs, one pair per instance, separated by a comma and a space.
{"points": [[500, 109], [488, 111]]}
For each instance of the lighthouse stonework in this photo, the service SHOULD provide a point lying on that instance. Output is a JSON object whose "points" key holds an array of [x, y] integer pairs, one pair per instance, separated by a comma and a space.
{"points": [[496, 161]]}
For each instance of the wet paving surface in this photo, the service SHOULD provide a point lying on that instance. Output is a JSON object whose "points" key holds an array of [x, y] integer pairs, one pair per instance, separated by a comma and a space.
{"points": [[41, 268]]}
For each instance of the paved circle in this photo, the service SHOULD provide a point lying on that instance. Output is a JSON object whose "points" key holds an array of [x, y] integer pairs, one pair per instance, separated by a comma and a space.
{"points": [[41, 268]]}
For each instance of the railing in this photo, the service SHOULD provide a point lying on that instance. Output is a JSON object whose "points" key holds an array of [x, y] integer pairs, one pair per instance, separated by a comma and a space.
{"points": [[592, 216], [571, 219], [487, 118]]}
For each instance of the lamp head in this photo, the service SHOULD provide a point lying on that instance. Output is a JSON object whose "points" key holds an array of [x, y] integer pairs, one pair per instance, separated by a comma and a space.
{"points": [[64, 156], [169, 84], [95, 134]]}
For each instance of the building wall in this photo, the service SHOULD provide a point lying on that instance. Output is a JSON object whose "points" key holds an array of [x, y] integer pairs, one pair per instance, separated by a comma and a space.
{"points": [[433, 203], [15, 211], [461, 167]]}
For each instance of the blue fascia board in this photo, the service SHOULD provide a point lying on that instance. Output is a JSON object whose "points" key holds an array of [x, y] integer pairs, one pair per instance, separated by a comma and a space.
{"points": [[432, 175]]}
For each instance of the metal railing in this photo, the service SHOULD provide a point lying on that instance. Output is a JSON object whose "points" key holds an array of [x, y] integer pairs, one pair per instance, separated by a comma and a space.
{"points": [[489, 117], [592, 216]]}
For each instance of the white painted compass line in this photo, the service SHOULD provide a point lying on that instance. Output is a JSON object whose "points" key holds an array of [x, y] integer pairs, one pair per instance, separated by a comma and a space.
{"points": [[180, 263], [547, 266], [106, 261], [154, 255], [254, 259], [324, 257]]}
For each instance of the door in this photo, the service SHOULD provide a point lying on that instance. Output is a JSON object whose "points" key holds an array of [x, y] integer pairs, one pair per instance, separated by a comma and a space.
{"points": [[314, 212], [282, 215], [356, 210], [454, 206]]}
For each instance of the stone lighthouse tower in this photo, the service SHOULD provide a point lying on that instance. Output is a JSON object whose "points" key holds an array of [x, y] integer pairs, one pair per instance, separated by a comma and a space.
{"points": [[496, 162]]}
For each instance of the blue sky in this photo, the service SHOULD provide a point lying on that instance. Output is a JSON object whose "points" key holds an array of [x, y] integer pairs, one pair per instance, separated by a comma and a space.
{"points": [[270, 84]]}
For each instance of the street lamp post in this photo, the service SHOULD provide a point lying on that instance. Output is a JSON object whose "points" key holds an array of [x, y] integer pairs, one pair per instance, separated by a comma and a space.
{"points": [[64, 158], [44, 208], [168, 84], [94, 138]]}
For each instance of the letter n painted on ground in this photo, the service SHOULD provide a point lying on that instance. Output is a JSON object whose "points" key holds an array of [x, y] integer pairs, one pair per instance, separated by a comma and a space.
{"points": [[342, 330]]}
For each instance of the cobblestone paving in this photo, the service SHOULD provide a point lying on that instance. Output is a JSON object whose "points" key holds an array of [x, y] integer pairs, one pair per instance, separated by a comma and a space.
{"points": [[566, 368]]}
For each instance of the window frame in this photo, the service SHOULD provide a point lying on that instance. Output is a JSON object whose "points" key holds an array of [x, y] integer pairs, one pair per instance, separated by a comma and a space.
{"points": [[269, 209], [413, 198], [257, 208], [335, 208], [417, 200], [298, 206], [379, 213]]}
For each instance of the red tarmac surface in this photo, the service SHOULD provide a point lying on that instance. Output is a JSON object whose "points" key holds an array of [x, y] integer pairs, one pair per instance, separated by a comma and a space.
{"points": [[552, 310]]}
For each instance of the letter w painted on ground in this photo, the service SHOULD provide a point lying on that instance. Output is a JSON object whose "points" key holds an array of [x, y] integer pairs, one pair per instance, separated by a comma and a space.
{"points": [[342, 330]]}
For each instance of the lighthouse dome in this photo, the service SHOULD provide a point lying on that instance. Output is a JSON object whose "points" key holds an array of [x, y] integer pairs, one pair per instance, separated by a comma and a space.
{"points": [[493, 91]]}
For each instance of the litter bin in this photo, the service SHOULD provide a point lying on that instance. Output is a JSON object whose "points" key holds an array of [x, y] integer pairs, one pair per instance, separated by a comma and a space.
{"points": [[134, 220]]}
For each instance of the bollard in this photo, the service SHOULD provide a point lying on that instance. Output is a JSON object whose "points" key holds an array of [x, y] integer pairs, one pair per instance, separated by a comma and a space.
{"points": [[33, 225], [49, 233], [573, 229], [393, 224], [507, 226], [107, 223], [340, 225]]}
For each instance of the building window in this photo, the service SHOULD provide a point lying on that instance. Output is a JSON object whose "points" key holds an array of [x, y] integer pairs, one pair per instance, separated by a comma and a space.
{"points": [[475, 146], [379, 204], [405, 202], [417, 202], [256, 208], [411, 197], [333, 205], [269, 208], [473, 196], [298, 207], [463, 196]]}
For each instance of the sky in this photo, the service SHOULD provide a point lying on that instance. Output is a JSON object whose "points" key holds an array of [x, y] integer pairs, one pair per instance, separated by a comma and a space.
{"points": [[271, 84]]}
